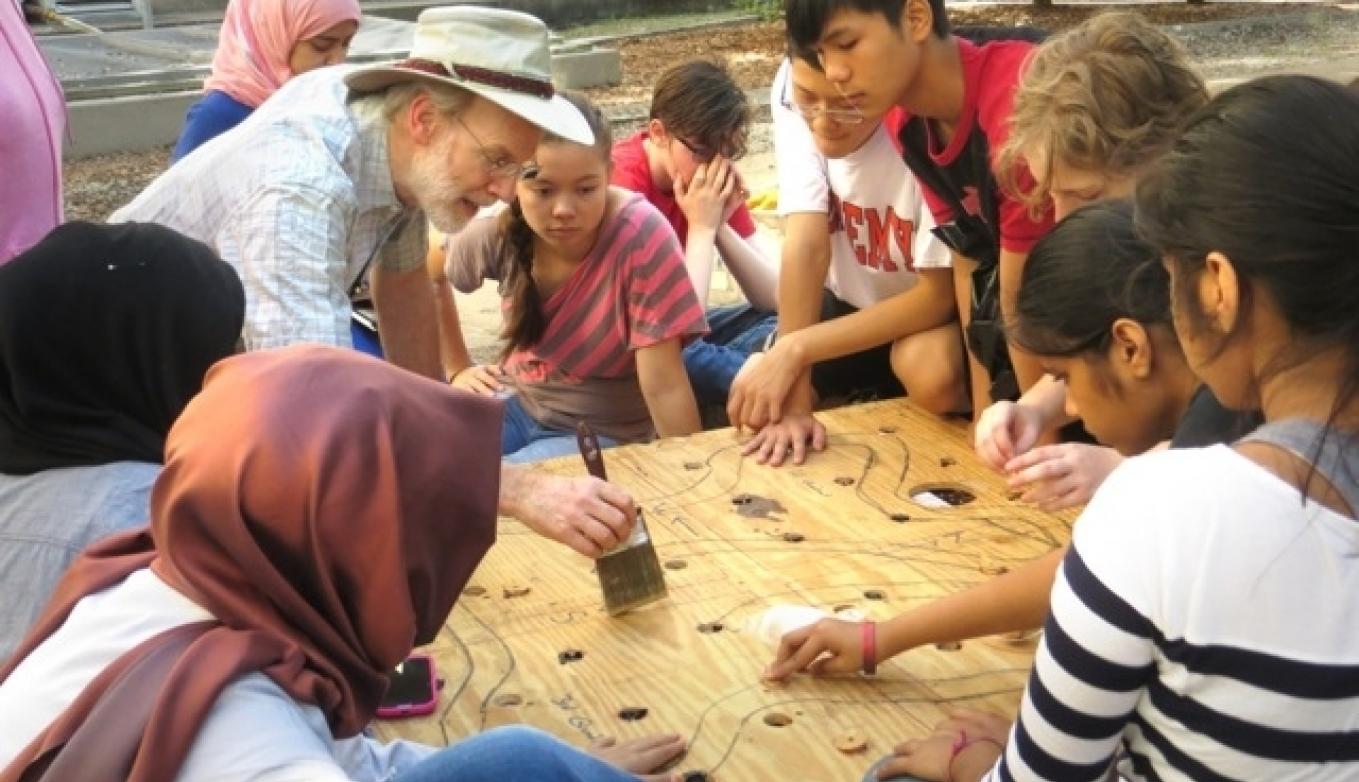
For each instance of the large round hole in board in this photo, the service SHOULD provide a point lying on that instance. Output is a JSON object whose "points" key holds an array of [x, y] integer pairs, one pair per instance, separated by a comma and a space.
{"points": [[941, 496], [777, 719]]}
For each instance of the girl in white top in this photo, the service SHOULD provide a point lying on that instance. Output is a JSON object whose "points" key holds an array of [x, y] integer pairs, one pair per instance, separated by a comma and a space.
{"points": [[1203, 625]]}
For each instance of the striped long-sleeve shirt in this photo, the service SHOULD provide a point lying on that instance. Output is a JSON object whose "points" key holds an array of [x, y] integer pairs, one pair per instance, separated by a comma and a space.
{"points": [[1205, 625]]}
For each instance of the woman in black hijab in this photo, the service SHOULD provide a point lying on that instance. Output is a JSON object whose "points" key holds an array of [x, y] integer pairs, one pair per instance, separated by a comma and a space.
{"points": [[106, 332]]}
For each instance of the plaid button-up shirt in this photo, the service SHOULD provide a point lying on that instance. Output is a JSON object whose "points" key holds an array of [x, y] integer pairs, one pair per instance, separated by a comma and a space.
{"points": [[299, 199]]}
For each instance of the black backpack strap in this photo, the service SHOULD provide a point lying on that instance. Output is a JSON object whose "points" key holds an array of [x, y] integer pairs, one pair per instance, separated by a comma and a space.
{"points": [[973, 236]]}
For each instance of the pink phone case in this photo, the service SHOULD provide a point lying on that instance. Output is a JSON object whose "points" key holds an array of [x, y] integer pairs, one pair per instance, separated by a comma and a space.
{"points": [[399, 710]]}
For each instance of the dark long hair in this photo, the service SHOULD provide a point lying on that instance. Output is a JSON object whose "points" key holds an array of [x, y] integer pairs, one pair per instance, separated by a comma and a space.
{"points": [[1089, 271], [1268, 174], [525, 321]]}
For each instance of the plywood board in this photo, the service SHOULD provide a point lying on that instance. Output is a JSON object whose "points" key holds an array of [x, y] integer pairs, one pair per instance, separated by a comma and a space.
{"points": [[843, 533]]}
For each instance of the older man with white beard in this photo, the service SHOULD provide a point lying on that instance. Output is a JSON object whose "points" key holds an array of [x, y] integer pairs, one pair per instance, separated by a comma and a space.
{"points": [[334, 177]]}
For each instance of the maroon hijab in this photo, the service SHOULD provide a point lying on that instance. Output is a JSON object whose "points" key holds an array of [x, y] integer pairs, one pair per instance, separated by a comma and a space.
{"points": [[327, 509]]}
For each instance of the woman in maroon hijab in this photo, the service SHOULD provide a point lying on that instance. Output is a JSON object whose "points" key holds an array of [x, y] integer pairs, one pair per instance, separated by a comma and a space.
{"points": [[307, 531]]}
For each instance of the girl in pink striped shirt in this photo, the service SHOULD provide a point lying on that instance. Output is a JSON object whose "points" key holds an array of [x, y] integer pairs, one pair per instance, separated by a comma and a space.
{"points": [[596, 303]]}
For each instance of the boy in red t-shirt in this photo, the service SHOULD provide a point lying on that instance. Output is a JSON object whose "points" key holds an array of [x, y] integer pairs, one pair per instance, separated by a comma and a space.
{"points": [[682, 162], [956, 97]]}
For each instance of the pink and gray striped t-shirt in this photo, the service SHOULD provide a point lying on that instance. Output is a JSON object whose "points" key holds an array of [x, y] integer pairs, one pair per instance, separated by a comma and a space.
{"points": [[630, 292]]}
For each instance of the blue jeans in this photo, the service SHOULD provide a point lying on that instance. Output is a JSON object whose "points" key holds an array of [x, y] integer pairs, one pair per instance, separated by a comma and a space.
{"points": [[512, 754], [733, 334], [523, 439]]}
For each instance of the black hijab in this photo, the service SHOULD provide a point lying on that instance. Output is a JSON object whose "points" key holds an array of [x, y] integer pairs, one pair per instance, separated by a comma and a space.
{"points": [[106, 332]]}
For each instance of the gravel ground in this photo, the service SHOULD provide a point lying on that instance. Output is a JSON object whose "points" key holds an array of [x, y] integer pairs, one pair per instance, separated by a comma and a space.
{"points": [[96, 186]]}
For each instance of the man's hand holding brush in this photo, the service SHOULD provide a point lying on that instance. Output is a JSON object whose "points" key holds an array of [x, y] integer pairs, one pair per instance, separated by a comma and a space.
{"points": [[587, 514]]}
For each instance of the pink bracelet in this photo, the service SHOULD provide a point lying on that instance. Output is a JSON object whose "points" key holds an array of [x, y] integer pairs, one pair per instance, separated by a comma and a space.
{"points": [[869, 647], [963, 742]]}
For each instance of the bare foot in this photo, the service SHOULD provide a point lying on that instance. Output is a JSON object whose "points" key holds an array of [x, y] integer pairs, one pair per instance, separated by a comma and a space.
{"points": [[640, 756]]}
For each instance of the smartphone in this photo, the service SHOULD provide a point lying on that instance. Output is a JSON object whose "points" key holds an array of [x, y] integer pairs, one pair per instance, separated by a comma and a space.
{"points": [[413, 690]]}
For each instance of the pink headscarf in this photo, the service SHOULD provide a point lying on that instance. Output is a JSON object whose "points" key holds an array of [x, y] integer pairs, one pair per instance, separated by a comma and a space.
{"points": [[258, 37]]}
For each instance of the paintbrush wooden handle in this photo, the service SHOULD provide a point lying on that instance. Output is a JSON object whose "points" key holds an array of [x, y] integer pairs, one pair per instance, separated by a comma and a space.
{"points": [[589, 451]]}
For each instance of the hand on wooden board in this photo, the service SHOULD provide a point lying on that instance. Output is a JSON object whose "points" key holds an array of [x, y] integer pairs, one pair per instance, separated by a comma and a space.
{"points": [[1055, 477], [829, 646], [793, 436], [963, 747], [1004, 431]]}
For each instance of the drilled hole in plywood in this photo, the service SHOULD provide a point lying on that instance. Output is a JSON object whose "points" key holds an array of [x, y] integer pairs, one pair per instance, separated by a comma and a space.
{"points": [[845, 480], [753, 506], [875, 594], [693, 465], [676, 564], [939, 496], [794, 537], [711, 627], [991, 567], [777, 719], [900, 518], [508, 699], [474, 591], [843, 607], [887, 430], [949, 646], [695, 776]]}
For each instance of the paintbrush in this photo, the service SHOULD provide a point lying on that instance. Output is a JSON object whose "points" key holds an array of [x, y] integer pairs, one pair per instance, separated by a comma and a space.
{"points": [[630, 575]]}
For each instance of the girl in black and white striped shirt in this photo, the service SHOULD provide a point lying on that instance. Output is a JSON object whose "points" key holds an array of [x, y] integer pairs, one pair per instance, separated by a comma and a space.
{"points": [[1205, 624]]}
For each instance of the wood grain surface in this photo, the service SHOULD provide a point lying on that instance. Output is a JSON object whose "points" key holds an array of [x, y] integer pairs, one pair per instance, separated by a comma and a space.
{"points": [[840, 533]]}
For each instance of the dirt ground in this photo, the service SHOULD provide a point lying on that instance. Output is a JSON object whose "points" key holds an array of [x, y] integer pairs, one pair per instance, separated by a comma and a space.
{"points": [[752, 51], [97, 186]]}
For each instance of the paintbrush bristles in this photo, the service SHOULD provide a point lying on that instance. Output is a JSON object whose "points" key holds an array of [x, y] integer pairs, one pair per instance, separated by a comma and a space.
{"points": [[631, 576]]}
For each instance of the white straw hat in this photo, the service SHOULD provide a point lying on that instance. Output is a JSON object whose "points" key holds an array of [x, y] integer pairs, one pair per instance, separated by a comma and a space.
{"points": [[501, 55]]}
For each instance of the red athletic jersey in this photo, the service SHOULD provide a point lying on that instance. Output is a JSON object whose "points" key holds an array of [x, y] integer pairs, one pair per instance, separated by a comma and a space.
{"points": [[991, 73]]}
